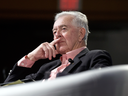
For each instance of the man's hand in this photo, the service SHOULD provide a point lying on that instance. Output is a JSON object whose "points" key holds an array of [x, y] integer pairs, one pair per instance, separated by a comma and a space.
{"points": [[45, 50]]}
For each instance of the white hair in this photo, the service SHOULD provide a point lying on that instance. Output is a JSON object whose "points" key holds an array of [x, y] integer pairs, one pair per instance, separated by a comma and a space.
{"points": [[80, 20]]}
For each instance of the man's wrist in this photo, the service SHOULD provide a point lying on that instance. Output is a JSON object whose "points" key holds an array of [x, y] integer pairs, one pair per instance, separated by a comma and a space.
{"points": [[25, 62], [30, 57]]}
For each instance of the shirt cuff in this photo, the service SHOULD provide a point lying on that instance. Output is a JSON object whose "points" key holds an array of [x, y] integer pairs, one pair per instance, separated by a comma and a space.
{"points": [[25, 62]]}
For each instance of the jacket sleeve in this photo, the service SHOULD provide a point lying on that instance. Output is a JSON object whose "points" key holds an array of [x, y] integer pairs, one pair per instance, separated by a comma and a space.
{"points": [[23, 73], [17, 73]]}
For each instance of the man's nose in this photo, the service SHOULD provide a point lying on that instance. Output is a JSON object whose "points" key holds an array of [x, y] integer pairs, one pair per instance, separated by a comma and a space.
{"points": [[58, 34]]}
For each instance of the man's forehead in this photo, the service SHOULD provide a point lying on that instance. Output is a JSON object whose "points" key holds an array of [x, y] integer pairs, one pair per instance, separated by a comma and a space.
{"points": [[63, 25], [60, 26]]}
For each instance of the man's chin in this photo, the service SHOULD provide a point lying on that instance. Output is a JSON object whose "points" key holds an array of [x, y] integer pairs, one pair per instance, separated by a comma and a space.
{"points": [[60, 51]]}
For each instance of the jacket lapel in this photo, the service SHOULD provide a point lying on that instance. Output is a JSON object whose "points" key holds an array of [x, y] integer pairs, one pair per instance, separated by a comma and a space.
{"points": [[47, 73], [76, 61]]}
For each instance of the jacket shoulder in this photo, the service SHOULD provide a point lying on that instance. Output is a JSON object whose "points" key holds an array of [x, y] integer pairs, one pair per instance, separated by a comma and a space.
{"points": [[93, 52]]}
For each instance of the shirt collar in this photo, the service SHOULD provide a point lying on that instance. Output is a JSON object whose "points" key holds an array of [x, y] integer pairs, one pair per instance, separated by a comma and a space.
{"points": [[71, 54]]}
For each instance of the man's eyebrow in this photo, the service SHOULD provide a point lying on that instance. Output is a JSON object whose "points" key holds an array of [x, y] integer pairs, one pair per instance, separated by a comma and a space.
{"points": [[63, 26], [59, 27]]}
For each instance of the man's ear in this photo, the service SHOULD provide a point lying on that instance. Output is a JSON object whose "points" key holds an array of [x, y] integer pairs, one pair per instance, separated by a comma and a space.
{"points": [[82, 33]]}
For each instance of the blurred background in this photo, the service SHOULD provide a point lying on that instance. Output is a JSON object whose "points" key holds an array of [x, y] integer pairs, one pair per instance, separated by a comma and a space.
{"points": [[24, 24]]}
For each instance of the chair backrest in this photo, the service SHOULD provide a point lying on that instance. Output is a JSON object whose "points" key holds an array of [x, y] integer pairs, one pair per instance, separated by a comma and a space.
{"points": [[109, 81]]}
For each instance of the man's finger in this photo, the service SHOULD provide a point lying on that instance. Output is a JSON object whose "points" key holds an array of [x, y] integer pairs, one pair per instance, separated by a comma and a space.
{"points": [[54, 41]]}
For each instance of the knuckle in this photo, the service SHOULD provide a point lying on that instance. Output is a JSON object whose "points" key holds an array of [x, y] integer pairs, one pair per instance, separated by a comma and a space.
{"points": [[44, 44]]}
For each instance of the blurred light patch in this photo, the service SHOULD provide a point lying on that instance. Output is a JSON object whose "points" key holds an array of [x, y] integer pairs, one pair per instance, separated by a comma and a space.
{"points": [[65, 5]]}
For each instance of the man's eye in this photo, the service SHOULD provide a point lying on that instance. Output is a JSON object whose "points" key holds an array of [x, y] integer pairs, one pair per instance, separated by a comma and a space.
{"points": [[54, 32], [63, 28]]}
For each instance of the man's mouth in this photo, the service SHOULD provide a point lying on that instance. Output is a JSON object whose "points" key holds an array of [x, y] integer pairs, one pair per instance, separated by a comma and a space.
{"points": [[60, 41]]}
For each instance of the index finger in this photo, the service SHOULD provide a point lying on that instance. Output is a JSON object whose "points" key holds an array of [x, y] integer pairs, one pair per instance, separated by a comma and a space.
{"points": [[54, 41]]}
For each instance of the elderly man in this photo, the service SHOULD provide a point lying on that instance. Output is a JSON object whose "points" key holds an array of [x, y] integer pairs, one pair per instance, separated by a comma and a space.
{"points": [[70, 32]]}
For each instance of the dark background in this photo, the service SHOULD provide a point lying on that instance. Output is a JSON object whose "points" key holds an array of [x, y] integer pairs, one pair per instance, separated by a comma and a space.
{"points": [[24, 24]]}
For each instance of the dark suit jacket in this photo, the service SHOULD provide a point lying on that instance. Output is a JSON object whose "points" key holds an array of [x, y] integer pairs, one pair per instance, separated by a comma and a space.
{"points": [[85, 60]]}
